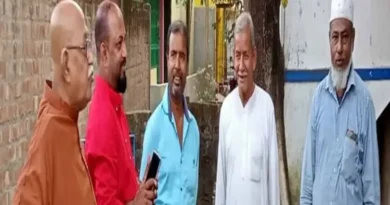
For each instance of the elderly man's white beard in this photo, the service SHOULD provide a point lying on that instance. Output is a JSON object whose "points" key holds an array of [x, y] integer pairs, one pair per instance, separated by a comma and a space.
{"points": [[340, 76]]}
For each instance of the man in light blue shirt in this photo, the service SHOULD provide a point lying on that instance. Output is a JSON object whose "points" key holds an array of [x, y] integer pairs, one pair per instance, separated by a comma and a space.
{"points": [[173, 131], [341, 162]]}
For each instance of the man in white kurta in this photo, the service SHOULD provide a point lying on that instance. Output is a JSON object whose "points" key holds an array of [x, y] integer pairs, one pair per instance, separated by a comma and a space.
{"points": [[247, 170]]}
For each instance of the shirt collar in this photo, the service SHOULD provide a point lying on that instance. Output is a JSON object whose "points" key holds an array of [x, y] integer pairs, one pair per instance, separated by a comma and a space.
{"points": [[249, 104], [350, 81], [55, 100], [166, 104], [116, 98]]}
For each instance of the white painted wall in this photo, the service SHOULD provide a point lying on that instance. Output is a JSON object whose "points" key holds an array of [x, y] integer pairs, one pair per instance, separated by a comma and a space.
{"points": [[304, 34], [178, 11], [307, 26]]}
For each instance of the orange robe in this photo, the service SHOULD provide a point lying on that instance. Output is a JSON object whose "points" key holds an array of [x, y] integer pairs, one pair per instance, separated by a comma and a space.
{"points": [[55, 172]]}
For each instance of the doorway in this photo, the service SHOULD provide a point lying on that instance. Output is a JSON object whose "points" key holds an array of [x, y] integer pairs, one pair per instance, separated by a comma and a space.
{"points": [[167, 22]]}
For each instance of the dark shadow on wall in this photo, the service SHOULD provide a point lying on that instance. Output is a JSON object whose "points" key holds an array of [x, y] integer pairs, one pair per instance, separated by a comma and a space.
{"points": [[383, 131], [207, 116]]}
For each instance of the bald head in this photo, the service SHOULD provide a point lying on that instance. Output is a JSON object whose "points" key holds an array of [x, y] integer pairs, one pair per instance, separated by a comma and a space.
{"points": [[102, 27], [71, 54], [110, 38], [67, 28]]}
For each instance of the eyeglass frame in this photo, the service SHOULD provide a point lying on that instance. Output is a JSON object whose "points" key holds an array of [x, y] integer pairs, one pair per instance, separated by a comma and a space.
{"points": [[86, 47]]}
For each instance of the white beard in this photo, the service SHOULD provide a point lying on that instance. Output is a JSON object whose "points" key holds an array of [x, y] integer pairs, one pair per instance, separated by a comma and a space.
{"points": [[340, 76]]}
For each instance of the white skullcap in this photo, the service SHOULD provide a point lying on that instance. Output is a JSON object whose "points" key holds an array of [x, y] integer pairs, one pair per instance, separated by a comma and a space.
{"points": [[341, 9]]}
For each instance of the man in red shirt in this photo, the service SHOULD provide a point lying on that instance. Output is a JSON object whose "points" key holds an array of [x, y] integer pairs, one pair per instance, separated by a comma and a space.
{"points": [[107, 149]]}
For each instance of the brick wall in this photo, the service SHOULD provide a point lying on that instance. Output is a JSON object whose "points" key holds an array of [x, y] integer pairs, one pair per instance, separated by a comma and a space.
{"points": [[25, 64]]}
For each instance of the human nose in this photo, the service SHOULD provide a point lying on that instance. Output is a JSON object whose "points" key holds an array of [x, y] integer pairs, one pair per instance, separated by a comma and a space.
{"points": [[177, 62], [339, 46], [124, 50], [240, 64]]}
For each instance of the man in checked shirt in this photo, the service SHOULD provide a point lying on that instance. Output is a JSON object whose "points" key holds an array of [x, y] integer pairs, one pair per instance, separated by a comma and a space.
{"points": [[341, 163]]}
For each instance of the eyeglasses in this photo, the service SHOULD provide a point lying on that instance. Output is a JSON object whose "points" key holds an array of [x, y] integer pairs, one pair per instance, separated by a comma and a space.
{"points": [[86, 48]]}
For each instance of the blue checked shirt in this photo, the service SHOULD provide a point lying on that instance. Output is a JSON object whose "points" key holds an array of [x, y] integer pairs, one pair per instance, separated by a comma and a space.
{"points": [[340, 162]]}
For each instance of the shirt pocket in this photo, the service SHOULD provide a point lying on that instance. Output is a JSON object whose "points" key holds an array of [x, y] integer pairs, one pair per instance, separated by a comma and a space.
{"points": [[256, 168], [166, 172], [256, 157], [349, 161]]}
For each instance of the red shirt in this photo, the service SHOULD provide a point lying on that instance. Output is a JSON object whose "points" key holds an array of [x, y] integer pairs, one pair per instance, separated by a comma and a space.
{"points": [[107, 148]]}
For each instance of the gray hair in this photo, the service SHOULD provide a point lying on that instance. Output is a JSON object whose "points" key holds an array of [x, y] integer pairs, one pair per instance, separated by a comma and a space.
{"points": [[177, 26], [242, 22]]}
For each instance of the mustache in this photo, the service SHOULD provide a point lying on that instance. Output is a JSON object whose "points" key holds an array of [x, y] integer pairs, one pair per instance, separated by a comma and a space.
{"points": [[123, 63], [177, 72]]}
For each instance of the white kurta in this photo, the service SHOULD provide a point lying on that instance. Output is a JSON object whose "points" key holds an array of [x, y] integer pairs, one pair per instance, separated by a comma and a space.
{"points": [[247, 170]]}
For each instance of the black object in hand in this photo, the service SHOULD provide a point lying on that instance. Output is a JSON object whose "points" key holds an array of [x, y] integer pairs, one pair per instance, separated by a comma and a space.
{"points": [[154, 165]]}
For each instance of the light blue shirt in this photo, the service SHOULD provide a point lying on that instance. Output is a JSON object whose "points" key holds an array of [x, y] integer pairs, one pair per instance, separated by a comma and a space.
{"points": [[341, 162], [179, 168]]}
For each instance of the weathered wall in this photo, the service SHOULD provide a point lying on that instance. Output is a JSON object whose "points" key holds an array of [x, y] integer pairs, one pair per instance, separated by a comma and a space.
{"points": [[207, 116], [137, 122], [25, 64], [202, 48], [178, 11], [137, 17]]}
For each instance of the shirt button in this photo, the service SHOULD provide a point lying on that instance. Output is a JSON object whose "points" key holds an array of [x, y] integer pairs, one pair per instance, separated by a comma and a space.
{"points": [[337, 139], [334, 170], [181, 189]]}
